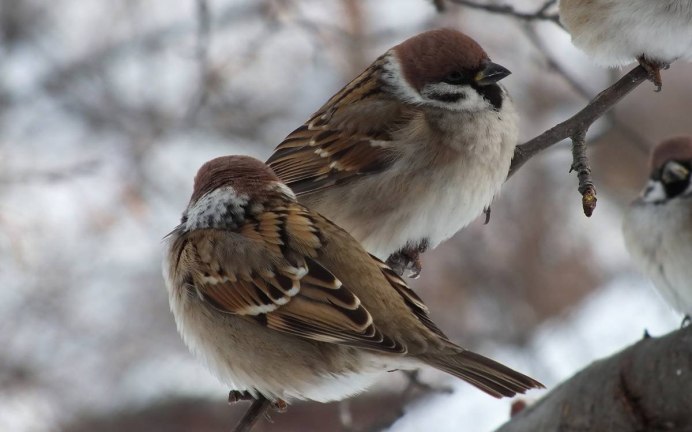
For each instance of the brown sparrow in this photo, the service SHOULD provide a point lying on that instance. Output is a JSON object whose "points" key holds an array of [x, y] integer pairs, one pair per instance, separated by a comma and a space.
{"points": [[658, 225], [410, 151], [616, 32], [281, 303]]}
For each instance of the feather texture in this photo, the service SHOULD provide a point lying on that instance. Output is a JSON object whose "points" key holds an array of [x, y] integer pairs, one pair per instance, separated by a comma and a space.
{"points": [[351, 135], [296, 295]]}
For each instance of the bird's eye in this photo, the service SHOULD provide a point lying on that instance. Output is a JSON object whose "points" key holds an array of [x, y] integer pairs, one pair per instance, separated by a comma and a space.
{"points": [[674, 172], [455, 77], [675, 178]]}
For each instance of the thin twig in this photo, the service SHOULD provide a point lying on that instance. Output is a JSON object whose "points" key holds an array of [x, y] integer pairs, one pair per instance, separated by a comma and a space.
{"points": [[439, 5], [581, 121], [552, 62], [580, 164], [576, 128], [202, 56], [78, 169], [203, 33], [258, 408], [539, 15]]}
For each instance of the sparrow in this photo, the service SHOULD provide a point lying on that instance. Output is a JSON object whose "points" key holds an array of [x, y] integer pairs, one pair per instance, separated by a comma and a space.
{"points": [[410, 151], [658, 226], [281, 303], [618, 32]]}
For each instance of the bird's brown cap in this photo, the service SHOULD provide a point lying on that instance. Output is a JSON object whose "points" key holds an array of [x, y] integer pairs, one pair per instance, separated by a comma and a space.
{"points": [[246, 175], [677, 149], [435, 54]]}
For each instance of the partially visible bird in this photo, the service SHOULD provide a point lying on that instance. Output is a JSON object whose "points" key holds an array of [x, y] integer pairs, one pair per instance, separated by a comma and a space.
{"points": [[618, 32], [658, 225], [281, 303], [410, 151]]}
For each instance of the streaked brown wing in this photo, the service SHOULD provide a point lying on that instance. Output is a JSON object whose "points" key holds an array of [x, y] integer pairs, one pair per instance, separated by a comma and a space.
{"points": [[294, 295], [327, 311], [415, 303], [350, 136]]}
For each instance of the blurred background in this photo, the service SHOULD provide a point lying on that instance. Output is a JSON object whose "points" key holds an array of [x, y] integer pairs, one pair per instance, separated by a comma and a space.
{"points": [[107, 109]]}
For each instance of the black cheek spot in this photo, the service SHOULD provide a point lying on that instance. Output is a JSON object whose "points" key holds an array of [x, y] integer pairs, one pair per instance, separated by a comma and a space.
{"points": [[492, 93], [447, 97], [676, 188]]}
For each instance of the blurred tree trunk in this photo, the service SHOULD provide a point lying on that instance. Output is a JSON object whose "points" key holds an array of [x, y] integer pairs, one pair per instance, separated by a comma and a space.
{"points": [[645, 387]]}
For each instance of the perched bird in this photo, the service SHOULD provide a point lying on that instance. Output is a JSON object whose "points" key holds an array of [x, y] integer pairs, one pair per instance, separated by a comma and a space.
{"points": [[281, 303], [658, 225], [618, 32], [410, 151]]}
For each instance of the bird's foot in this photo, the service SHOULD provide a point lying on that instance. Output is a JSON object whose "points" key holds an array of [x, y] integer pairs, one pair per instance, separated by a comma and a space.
{"points": [[280, 406], [415, 383], [408, 258], [239, 396], [234, 396], [486, 212], [654, 70], [405, 260]]}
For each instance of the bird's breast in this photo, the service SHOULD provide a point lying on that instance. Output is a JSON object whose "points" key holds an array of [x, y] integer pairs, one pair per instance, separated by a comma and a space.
{"points": [[659, 239], [439, 184]]}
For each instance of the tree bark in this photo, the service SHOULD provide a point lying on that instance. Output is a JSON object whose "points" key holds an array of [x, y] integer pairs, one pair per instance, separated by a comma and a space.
{"points": [[645, 387]]}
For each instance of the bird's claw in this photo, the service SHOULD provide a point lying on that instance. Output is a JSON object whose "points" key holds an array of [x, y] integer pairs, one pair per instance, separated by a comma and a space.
{"points": [[280, 406], [653, 68], [414, 382], [239, 396], [407, 259], [234, 396], [415, 267]]}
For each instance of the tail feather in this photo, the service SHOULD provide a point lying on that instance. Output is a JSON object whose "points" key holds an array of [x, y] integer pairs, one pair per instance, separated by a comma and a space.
{"points": [[488, 375]]}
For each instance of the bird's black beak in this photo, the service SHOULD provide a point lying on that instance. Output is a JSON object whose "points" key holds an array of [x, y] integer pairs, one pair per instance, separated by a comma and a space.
{"points": [[491, 73]]}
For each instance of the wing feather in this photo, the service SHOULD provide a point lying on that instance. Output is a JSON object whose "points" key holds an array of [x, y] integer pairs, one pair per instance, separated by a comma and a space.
{"points": [[415, 303], [295, 294], [350, 136]]}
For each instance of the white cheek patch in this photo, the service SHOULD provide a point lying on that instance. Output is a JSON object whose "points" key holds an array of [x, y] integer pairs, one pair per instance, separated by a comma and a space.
{"points": [[439, 91], [653, 192], [394, 78], [468, 99]]}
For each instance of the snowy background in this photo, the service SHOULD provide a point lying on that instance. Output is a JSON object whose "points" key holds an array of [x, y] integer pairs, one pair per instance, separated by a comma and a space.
{"points": [[107, 109]]}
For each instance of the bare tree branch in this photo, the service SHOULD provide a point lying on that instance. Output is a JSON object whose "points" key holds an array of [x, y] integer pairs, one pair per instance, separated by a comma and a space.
{"points": [[539, 15], [554, 65], [77, 169], [582, 120], [580, 164], [202, 54], [258, 408], [645, 387], [576, 127], [439, 5]]}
